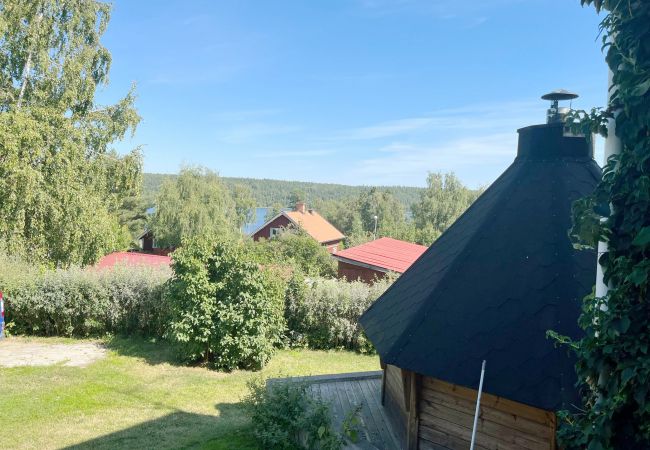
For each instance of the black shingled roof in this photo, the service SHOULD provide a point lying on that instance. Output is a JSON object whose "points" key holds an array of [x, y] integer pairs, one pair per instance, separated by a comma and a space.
{"points": [[501, 276]]}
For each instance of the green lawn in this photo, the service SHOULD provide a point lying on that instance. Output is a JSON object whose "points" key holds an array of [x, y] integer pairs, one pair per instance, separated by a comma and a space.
{"points": [[138, 398]]}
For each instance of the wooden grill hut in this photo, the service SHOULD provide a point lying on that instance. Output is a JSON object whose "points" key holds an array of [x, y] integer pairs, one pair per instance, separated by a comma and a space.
{"points": [[489, 289]]}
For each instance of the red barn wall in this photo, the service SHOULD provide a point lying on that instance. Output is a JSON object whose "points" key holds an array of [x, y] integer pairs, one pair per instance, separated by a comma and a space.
{"points": [[332, 246], [278, 222], [284, 222], [353, 272]]}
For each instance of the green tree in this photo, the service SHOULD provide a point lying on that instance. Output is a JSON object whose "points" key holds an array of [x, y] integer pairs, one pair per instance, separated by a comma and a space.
{"points": [[355, 216], [274, 210], [133, 214], [267, 192], [357, 235], [196, 203], [294, 247], [440, 204], [391, 217], [297, 195], [225, 310], [60, 182], [340, 213], [244, 204]]}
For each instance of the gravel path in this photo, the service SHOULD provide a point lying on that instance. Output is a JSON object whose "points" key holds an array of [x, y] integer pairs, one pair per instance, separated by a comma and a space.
{"points": [[15, 353]]}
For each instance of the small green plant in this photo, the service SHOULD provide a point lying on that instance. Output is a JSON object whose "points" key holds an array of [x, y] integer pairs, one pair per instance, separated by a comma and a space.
{"points": [[286, 417], [352, 424]]}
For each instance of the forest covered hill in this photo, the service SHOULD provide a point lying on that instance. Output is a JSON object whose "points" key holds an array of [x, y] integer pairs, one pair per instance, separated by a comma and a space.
{"points": [[269, 192]]}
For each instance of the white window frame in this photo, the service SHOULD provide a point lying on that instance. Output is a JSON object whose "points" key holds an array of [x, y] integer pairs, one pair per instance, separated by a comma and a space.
{"points": [[274, 231]]}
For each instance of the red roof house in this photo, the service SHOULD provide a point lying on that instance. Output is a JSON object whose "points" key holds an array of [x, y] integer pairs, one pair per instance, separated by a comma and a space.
{"points": [[132, 259], [374, 259], [308, 220]]}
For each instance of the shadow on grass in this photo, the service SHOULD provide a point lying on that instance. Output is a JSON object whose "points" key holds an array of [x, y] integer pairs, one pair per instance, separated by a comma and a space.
{"points": [[229, 430], [152, 351]]}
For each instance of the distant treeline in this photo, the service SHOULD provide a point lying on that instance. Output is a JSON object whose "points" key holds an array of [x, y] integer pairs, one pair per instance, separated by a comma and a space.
{"points": [[272, 192]]}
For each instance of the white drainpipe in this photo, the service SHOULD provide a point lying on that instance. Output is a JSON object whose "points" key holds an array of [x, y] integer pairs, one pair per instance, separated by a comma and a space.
{"points": [[613, 146]]}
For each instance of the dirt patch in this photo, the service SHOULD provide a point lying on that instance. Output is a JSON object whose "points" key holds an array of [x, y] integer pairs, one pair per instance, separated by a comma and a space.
{"points": [[15, 353]]}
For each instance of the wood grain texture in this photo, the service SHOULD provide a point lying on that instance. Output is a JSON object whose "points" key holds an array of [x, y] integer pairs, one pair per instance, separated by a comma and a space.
{"points": [[446, 414]]}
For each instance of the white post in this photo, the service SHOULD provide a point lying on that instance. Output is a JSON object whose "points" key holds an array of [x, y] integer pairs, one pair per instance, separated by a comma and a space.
{"points": [[374, 234], [613, 146], [478, 407]]}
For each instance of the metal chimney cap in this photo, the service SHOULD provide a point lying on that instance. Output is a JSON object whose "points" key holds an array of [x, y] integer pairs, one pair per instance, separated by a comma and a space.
{"points": [[559, 94]]}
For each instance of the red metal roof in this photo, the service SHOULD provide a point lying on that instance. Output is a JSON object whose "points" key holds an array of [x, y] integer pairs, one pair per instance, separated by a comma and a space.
{"points": [[386, 253], [133, 259]]}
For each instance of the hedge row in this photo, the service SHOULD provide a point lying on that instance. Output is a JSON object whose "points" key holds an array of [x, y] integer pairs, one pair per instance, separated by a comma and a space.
{"points": [[76, 302], [319, 313], [324, 313]]}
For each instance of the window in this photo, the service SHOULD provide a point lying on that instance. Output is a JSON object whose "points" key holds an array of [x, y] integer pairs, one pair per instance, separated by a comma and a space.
{"points": [[275, 232]]}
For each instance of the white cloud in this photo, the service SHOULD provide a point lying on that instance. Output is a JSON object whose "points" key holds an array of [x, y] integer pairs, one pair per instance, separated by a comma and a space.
{"points": [[488, 116], [478, 160]]}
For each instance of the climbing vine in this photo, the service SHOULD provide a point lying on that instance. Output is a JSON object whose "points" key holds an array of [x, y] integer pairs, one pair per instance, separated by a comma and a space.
{"points": [[613, 356]]}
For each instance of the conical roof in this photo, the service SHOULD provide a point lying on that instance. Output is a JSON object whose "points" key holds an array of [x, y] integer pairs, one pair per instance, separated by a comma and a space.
{"points": [[501, 276]]}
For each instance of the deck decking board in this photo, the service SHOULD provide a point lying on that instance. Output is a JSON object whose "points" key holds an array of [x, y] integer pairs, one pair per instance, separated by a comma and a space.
{"points": [[366, 426], [372, 391], [344, 392]]}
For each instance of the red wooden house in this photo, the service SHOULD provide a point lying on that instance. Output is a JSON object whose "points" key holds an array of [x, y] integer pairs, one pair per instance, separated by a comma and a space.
{"points": [[308, 220], [372, 260]]}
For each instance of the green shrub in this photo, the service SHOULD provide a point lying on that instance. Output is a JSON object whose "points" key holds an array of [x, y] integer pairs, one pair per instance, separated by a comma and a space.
{"points": [[324, 314], [296, 248], [77, 302], [286, 417], [227, 311]]}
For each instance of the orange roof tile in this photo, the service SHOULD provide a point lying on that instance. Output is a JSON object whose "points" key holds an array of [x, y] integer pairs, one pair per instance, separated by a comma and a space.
{"points": [[315, 225]]}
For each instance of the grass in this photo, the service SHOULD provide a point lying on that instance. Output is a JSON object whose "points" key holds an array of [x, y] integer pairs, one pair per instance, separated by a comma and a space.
{"points": [[137, 397]]}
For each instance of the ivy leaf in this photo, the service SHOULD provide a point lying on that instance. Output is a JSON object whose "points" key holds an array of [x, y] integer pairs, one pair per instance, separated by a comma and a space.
{"points": [[621, 325], [641, 89], [643, 238], [595, 445], [638, 276], [627, 375]]}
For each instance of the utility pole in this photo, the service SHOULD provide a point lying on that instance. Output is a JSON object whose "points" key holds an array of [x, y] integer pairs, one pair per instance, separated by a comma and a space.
{"points": [[374, 234]]}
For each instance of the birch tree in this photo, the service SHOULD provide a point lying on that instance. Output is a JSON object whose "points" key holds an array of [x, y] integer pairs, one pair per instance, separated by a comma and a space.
{"points": [[61, 182]]}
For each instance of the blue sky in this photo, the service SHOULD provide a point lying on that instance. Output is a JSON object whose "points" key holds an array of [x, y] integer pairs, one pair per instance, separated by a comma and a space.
{"points": [[347, 91]]}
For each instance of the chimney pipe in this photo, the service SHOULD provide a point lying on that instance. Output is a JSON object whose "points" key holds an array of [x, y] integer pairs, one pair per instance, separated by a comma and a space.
{"points": [[301, 207], [556, 113]]}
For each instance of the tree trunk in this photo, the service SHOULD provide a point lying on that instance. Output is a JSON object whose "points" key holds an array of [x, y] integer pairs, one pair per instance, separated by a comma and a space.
{"points": [[28, 64]]}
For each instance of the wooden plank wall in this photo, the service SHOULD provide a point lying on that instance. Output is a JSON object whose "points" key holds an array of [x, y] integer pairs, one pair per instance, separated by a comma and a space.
{"points": [[446, 415], [394, 401]]}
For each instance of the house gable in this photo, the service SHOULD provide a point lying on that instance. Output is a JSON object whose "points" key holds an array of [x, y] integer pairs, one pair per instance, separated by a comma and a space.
{"points": [[278, 222]]}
